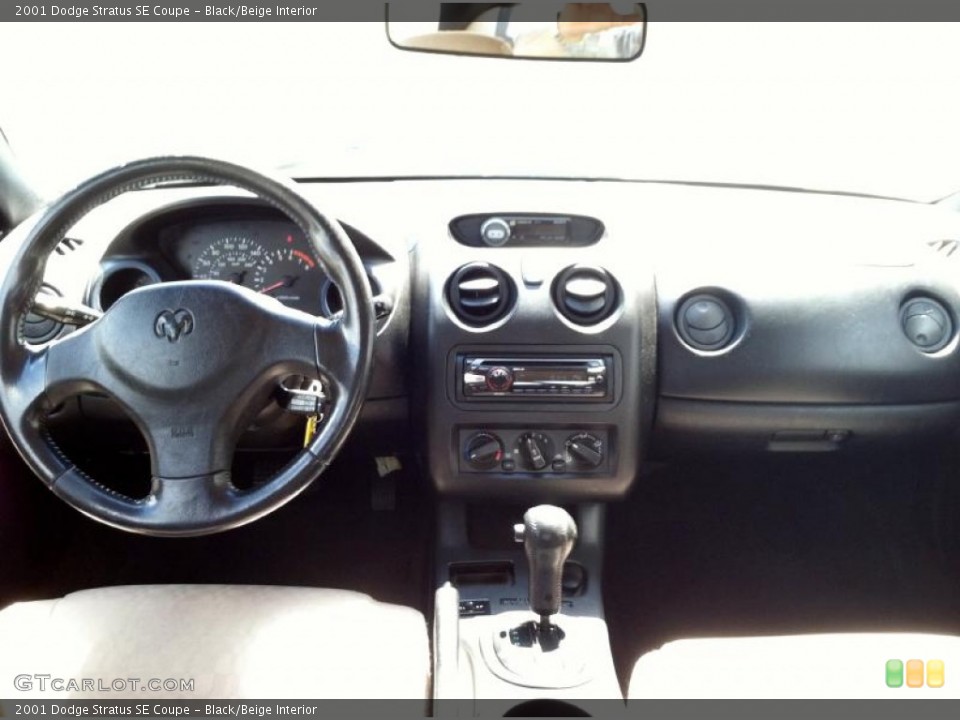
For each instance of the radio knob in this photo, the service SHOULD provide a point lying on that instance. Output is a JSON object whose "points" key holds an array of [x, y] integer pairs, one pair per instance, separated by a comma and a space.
{"points": [[499, 379], [536, 451], [483, 451], [585, 450], [495, 232]]}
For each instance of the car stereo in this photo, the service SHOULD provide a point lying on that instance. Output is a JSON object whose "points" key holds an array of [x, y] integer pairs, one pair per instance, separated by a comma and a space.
{"points": [[568, 379]]}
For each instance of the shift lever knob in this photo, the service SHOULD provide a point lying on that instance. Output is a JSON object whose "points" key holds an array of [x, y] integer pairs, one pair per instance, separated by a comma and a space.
{"points": [[548, 534]]}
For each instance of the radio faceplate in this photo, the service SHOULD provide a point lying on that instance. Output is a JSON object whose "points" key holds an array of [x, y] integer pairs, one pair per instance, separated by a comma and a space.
{"points": [[536, 378]]}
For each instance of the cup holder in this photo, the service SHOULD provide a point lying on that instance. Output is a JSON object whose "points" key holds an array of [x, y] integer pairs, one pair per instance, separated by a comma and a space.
{"points": [[546, 708]]}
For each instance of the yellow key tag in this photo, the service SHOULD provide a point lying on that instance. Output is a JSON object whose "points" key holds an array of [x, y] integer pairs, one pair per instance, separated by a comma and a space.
{"points": [[310, 430]]}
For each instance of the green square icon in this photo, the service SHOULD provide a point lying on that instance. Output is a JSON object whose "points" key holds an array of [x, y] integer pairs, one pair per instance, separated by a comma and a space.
{"points": [[894, 673]]}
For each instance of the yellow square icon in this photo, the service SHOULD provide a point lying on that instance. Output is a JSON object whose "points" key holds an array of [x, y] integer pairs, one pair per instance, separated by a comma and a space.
{"points": [[935, 673]]}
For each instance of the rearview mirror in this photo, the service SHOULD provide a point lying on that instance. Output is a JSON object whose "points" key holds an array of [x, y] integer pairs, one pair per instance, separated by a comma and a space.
{"points": [[555, 31]]}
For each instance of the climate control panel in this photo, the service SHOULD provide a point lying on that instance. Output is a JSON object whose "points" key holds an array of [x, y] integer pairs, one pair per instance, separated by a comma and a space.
{"points": [[554, 451]]}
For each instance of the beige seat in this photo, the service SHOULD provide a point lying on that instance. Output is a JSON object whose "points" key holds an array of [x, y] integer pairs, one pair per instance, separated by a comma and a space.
{"points": [[232, 641], [800, 666]]}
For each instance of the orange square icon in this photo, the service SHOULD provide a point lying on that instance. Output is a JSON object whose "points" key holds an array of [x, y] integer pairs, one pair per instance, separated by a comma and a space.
{"points": [[935, 673], [914, 673]]}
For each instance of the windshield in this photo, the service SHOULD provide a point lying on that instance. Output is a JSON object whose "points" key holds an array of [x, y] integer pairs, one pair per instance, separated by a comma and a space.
{"points": [[858, 107]]}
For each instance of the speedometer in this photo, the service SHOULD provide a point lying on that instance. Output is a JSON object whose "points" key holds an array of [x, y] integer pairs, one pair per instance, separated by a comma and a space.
{"points": [[234, 259], [292, 277]]}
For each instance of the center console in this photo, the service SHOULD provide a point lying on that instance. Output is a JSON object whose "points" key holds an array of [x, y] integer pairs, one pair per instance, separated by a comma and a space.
{"points": [[539, 355], [520, 631], [537, 364], [532, 419]]}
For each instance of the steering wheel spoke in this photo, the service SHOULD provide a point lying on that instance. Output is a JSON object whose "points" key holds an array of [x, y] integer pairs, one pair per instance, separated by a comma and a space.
{"points": [[71, 366], [189, 500], [335, 356], [49, 375], [289, 341], [187, 441], [313, 346]]}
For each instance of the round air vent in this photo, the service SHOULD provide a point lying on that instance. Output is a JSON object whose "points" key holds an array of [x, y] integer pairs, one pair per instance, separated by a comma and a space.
{"points": [[706, 322], [120, 279], [480, 293], [926, 323], [331, 301], [584, 294]]}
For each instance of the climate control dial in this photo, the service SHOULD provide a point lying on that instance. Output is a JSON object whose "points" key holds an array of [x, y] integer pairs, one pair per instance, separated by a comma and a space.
{"points": [[483, 451], [584, 451], [536, 451]]}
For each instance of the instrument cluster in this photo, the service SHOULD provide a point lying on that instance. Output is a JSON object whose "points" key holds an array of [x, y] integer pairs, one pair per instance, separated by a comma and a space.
{"points": [[271, 257], [267, 255]]}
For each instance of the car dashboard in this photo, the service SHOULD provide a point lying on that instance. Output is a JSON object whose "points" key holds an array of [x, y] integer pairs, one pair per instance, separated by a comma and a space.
{"points": [[542, 339]]}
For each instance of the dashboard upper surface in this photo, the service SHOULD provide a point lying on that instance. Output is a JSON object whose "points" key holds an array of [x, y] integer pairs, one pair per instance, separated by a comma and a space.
{"points": [[814, 283]]}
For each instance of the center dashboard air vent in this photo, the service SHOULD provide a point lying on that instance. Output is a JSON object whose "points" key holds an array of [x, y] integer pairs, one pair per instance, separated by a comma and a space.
{"points": [[480, 293], [585, 295]]}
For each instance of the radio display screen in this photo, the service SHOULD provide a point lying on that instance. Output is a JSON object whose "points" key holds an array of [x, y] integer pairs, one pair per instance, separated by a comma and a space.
{"points": [[552, 374], [547, 231]]}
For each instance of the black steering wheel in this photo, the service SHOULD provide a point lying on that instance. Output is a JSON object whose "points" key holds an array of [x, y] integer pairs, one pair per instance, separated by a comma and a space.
{"points": [[191, 362]]}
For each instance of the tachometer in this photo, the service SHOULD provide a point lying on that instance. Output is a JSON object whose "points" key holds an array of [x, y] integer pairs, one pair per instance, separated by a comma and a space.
{"points": [[292, 277], [234, 259]]}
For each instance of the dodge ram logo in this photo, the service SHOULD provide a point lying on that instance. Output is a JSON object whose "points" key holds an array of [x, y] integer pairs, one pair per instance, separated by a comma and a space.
{"points": [[173, 324]]}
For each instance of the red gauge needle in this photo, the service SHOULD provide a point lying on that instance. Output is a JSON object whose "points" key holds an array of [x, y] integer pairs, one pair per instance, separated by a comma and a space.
{"points": [[276, 286]]}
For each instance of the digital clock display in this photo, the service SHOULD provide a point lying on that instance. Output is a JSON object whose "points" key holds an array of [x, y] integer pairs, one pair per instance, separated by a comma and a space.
{"points": [[540, 231]]}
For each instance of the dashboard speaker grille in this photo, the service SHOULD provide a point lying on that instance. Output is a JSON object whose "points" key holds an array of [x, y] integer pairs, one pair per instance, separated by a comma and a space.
{"points": [[480, 293]]}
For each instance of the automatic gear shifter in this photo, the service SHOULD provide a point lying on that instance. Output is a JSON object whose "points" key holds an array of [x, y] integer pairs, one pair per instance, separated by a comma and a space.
{"points": [[548, 534], [541, 653]]}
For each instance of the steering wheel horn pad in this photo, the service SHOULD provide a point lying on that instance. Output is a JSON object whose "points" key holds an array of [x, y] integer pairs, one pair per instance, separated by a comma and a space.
{"points": [[191, 362], [179, 337]]}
